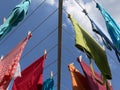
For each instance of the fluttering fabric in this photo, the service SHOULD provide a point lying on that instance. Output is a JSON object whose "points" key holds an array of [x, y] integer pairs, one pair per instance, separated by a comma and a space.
{"points": [[79, 81], [48, 84], [85, 43], [16, 16], [9, 63], [112, 26], [95, 82], [110, 45], [31, 77], [17, 72]]}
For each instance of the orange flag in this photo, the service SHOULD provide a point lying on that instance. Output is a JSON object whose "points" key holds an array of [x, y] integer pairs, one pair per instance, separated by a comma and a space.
{"points": [[9, 63], [31, 77], [79, 82]]}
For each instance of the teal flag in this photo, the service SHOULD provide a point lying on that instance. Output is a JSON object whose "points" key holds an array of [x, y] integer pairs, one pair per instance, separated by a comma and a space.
{"points": [[16, 16], [112, 26], [48, 84]]}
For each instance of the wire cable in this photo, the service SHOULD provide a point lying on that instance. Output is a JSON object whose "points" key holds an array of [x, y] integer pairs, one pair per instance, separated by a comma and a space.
{"points": [[50, 64], [39, 43], [44, 20]]}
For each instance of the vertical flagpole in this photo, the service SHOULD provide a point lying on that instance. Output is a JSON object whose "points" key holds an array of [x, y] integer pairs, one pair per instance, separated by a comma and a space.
{"points": [[59, 43]]}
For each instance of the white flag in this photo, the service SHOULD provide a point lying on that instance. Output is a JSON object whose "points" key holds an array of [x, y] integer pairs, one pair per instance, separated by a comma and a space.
{"points": [[17, 72]]}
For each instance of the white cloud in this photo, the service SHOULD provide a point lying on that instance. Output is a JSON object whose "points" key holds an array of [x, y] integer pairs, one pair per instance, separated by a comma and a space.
{"points": [[51, 2], [74, 9]]}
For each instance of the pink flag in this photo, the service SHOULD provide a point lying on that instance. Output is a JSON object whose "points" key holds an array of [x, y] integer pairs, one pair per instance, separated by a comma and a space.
{"points": [[31, 77], [9, 63], [93, 83]]}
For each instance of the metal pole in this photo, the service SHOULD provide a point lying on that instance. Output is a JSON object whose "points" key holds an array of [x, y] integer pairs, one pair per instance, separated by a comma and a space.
{"points": [[59, 42]]}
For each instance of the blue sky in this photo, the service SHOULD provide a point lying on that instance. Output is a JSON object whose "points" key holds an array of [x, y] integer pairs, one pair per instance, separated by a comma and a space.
{"points": [[44, 22]]}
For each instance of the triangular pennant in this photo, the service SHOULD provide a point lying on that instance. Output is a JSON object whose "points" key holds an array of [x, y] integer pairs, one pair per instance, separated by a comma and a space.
{"points": [[79, 82], [31, 77], [9, 63]]}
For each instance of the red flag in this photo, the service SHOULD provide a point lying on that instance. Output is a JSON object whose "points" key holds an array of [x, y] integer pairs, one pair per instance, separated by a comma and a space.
{"points": [[9, 63], [31, 77], [79, 82], [93, 80]]}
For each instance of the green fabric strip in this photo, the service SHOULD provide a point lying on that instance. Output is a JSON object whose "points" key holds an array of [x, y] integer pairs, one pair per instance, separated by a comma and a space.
{"points": [[83, 41]]}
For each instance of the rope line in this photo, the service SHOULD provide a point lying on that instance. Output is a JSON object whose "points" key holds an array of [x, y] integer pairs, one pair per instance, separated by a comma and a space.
{"points": [[44, 20], [39, 43], [50, 64]]}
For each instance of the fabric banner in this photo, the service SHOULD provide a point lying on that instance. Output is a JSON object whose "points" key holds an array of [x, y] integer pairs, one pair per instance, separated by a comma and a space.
{"points": [[48, 84], [85, 43], [79, 82], [9, 63], [31, 77], [17, 72], [17, 15], [112, 26], [109, 44], [95, 82]]}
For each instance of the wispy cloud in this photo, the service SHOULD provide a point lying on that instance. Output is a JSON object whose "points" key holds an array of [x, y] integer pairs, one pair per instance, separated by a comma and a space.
{"points": [[51, 2], [76, 11]]}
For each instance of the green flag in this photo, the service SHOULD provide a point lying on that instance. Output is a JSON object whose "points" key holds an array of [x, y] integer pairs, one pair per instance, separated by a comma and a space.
{"points": [[88, 45]]}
